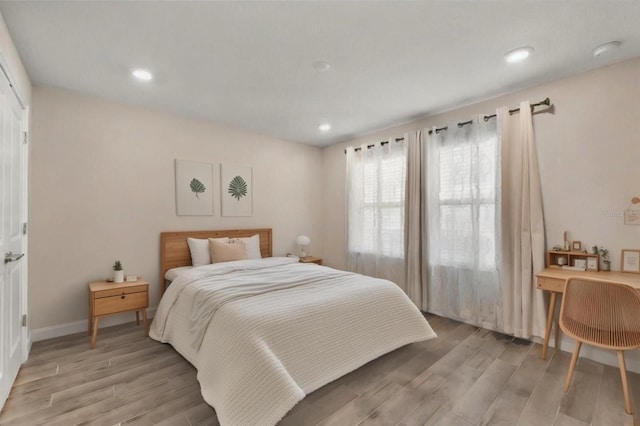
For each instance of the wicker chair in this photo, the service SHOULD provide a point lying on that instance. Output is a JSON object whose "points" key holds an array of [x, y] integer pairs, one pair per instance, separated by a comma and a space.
{"points": [[604, 314]]}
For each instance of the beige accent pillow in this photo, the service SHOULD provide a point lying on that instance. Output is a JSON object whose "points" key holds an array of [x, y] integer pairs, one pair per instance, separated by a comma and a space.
{"points": [[200, 252], [226, 252]]}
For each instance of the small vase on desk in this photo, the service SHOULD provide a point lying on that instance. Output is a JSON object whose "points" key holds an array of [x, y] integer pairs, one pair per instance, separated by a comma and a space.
{"points": [[606, 265], [118, 276]]}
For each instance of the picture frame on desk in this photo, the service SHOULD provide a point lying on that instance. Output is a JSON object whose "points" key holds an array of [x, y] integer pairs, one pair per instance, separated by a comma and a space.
{"points": [[580, 263], [592, 264], [576, 246], [630, 261]]}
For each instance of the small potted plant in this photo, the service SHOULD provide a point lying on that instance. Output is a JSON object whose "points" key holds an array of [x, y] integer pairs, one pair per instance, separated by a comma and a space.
{"points": [[604, 256], [118, 273]]}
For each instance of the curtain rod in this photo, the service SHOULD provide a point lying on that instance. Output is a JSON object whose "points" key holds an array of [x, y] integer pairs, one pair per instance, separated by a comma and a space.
{"points": [[383, 143], [486, 118]]}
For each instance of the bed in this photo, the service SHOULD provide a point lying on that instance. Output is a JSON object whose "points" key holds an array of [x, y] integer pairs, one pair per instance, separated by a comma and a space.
{"points": [[263, 333]]}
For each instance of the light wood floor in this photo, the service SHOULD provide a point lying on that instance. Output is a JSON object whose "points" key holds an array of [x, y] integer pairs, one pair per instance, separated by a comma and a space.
{"points": [[467, 376]]}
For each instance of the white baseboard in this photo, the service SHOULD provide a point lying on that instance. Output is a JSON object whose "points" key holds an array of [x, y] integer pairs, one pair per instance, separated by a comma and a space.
{"points": [[81, 326]]}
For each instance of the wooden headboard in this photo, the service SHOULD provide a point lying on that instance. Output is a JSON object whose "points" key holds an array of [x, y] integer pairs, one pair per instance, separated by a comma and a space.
{"points": [[174, 250]]}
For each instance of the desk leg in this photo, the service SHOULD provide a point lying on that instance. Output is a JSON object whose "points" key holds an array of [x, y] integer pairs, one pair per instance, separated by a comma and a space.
{"points": [[95, 333], [137, 318], [90, 319], [550, 315]]}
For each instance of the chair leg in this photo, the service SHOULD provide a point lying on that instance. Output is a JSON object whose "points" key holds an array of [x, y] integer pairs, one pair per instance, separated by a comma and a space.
{"points": [[625, 383], [572, 366]]}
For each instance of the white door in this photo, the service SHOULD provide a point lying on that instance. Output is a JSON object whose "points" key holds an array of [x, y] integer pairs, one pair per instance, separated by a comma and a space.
{"points": [[12, 213]]}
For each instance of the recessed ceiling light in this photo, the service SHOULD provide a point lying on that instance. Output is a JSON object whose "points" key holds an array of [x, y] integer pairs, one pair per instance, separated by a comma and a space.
{"points": [[324, 127], [518, 55], [321, 66], [142, 75], [607, 47]]}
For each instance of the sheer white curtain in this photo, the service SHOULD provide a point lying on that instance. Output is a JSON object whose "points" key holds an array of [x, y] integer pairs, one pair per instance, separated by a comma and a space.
{"points": [[375, 181], [463, 223]]}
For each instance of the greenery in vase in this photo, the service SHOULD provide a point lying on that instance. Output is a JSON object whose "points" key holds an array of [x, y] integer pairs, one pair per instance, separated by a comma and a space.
{"points": [[117, 266], [603, 252]]}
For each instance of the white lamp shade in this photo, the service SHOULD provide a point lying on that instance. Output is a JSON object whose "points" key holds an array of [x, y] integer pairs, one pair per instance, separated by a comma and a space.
{"points": [[303, 240]]}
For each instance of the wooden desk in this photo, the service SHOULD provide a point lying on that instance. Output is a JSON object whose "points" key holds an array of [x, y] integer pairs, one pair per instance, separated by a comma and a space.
{"points": [[553, 280]]}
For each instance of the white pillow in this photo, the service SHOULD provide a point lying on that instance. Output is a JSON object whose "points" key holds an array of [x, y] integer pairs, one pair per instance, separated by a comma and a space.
{"points": [[252, 244], [200, 254]]}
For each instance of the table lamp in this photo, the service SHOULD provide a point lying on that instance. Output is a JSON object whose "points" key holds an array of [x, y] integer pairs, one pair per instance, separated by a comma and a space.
{"points": [[303, 241]]}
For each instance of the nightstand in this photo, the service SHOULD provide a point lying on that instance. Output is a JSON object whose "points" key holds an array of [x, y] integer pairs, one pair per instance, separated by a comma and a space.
{"points": [[107, 298], [311, 259]]}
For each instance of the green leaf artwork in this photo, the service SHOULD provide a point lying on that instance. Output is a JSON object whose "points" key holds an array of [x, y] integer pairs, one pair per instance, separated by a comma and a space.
{"points": [[238, 187], [197, 187]]}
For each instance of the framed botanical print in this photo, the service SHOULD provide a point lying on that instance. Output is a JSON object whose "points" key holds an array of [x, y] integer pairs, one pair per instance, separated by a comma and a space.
{"points": [[630, 261], [236, 190], [194, 188]]}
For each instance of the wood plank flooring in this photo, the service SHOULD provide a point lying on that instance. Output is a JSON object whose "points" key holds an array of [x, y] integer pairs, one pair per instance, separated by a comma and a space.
{"points": [[467, 376]]}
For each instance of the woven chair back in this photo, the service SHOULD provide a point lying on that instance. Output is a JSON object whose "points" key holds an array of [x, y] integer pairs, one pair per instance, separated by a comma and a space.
{"points": [[601, 313]]}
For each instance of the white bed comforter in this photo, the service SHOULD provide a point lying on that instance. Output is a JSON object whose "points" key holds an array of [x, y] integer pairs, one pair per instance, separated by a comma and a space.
{"points": [[264, 333]]}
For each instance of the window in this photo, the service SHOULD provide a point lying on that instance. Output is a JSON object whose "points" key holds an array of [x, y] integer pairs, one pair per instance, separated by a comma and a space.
{"points": [[376, 186], [464, 234]]}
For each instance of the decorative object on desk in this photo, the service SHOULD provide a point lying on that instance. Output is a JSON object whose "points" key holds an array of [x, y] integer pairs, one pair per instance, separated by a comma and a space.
{"points": [[592, 264], [604, 255], [131, 278], [557, 248], [561, 259], [632, 214], [194, 188], [236, 190], [118, 273], [576, 245], [565, 241], [580, 263], [630, 261], [303, 241]]}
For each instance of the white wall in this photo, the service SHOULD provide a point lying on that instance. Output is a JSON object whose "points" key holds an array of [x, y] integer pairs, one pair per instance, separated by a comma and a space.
{"points": [[13, 61], [103, 189], [588, 150]]}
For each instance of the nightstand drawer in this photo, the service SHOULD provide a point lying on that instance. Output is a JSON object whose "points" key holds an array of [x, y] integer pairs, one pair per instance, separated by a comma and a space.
{"points": [[121, 303], [120, 291]]}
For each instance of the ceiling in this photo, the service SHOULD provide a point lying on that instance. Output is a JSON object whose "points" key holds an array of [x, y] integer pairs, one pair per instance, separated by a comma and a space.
{"points": [[249, 64]]}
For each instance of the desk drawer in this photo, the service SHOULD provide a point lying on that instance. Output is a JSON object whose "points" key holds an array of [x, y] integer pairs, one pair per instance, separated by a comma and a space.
{"points": [[121, 303], [550, 284]]}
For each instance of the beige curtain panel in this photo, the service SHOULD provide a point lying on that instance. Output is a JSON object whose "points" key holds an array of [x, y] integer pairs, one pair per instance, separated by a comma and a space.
{"points": [[522, 225]]}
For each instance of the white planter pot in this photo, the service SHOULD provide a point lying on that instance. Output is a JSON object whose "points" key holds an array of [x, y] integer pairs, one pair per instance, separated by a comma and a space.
{"points": [[118, 276]]}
